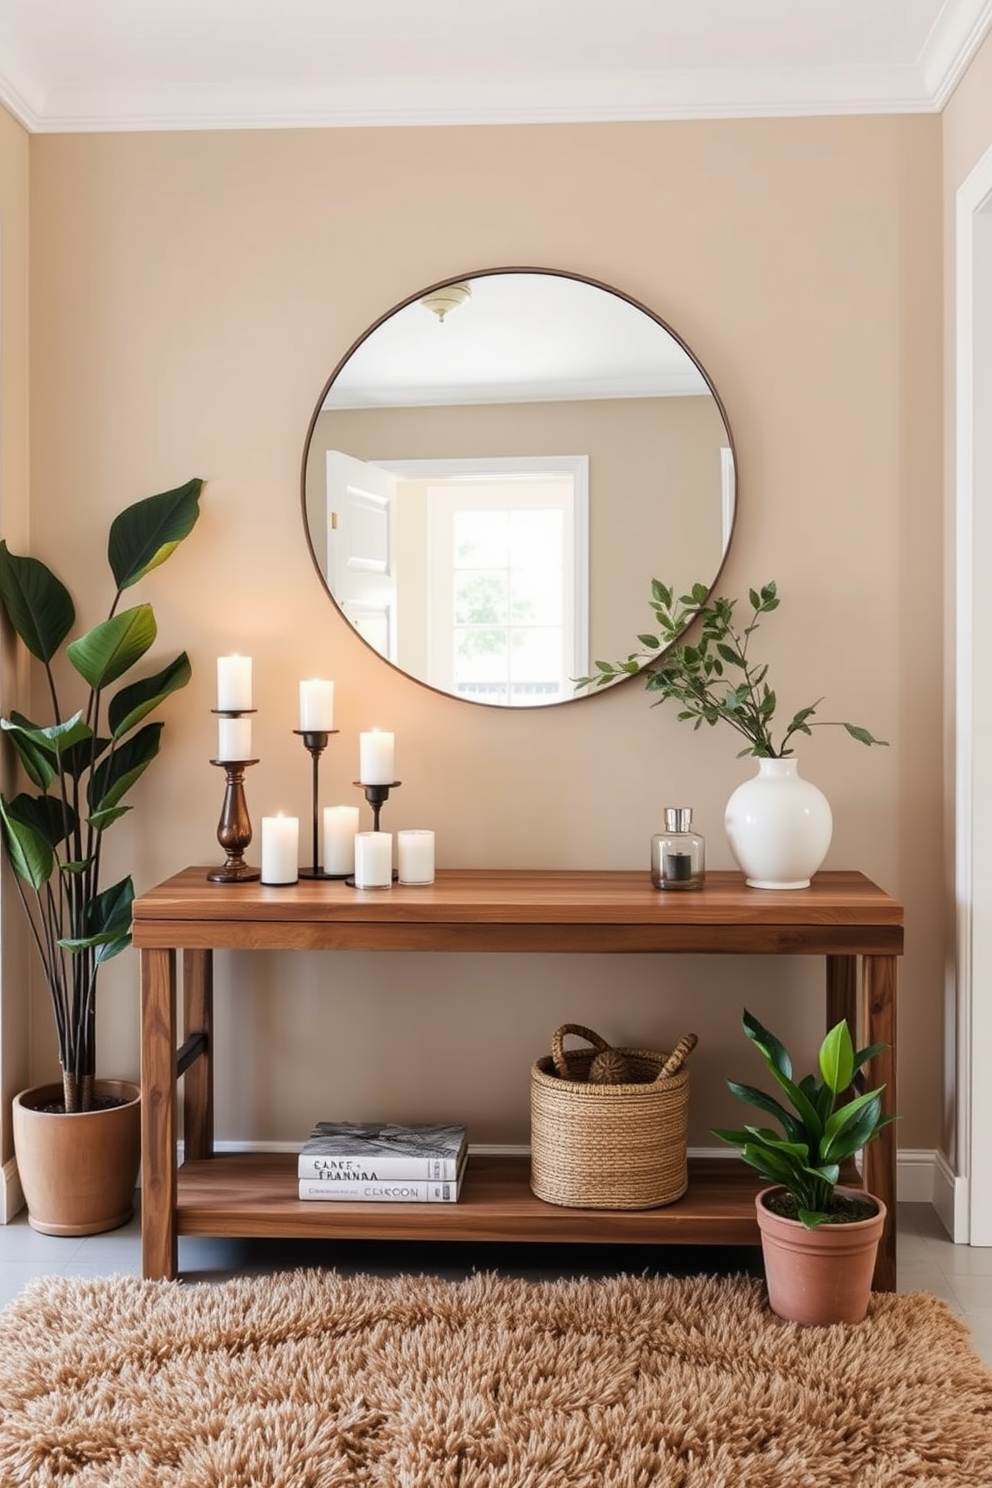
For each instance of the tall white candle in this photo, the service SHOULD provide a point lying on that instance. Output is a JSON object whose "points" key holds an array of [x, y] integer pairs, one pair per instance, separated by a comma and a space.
{"points": [[280, 849], [340, 827], [316, 706], [234, 739], [373, 860], [415, 856], [375, 757], [233, 684]]}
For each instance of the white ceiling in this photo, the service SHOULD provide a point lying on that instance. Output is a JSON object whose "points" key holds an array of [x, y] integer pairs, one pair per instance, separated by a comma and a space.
{"points": [[73, 65]]}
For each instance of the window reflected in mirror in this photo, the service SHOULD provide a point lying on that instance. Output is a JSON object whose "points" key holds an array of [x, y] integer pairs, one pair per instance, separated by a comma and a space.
{"points": [[489, 491]]}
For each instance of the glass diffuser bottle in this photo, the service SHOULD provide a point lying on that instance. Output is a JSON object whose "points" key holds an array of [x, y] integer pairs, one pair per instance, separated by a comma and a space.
{"points": [[678, 854]]}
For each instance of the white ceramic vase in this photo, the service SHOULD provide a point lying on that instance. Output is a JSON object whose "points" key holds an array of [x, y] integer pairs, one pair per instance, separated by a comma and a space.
{"points": [[779, 826]]}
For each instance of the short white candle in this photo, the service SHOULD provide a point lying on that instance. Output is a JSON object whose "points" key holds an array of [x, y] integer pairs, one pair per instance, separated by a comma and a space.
{"points": [[415, 856], [373, 860], [233, 684], [375, 757], [280, 849], [316, 706], [234, 739], [340, 827]]}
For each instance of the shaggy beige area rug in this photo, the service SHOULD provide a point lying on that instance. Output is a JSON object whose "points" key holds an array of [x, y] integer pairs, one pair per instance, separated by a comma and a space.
{"points": [[311, 1379]]}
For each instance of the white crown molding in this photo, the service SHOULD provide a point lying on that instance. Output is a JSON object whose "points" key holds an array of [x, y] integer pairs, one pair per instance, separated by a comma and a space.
{"points": [[959, 31], [44, 106]]}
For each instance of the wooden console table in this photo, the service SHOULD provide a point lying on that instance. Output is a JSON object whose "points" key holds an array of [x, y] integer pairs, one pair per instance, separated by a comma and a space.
{"points": [[843, 917]]}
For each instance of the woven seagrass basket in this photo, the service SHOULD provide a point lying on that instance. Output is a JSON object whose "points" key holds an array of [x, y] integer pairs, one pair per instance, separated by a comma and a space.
{"points": [[611, 1145]]}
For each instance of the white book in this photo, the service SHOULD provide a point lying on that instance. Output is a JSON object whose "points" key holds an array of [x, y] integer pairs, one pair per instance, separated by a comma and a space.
{"points": [[364, 1151], [381, 1191]]}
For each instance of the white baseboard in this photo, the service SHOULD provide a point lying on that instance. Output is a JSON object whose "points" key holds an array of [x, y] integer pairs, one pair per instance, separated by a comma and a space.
{"points": [[11, 1193]]}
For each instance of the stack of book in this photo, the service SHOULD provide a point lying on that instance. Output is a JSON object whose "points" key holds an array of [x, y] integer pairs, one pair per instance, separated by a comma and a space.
{"points": [[373, 1162]]}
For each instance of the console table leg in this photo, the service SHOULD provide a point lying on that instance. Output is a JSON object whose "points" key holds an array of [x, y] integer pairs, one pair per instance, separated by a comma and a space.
{"points": [[198, 1082], [159, 1243], [879, 1000], [842, 991]]}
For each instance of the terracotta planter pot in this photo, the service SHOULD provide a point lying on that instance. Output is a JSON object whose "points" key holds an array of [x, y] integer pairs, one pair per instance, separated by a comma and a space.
{"points": [[819, 1276], [78, 1171]]}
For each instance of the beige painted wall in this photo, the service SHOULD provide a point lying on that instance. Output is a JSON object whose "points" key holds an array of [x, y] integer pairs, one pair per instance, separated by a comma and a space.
{"points": [[14, 527], [189, 295]]}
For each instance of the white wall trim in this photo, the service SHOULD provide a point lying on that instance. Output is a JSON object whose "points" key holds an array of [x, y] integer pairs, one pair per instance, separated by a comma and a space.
{"points": [[973, 714], [11, 1193]]}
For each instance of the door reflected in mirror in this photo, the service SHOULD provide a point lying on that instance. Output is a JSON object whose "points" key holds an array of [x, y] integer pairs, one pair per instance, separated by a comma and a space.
{"points": [[489, 488]]}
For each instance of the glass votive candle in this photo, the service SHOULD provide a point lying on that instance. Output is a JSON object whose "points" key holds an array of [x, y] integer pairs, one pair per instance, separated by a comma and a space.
{"points": [[415, 856], [373, 860]]}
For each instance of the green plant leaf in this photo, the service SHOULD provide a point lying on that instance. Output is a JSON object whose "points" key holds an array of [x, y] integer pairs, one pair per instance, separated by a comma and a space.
{"points": [[37, 604], [775, 1054], [51, 818], [852, 1127], [862, 735], [115, 777], [146, 533], [110, 649], [133, 703], [30, 853], [837, 1058], [752, 1096]]}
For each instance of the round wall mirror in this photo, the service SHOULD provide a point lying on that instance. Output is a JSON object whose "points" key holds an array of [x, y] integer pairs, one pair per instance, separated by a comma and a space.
{"points": [[496, 470]]}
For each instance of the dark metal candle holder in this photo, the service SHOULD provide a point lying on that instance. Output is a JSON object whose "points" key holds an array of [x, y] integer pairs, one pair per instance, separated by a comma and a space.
{"points": [[376, 795], [315, 742], [234, 827]]}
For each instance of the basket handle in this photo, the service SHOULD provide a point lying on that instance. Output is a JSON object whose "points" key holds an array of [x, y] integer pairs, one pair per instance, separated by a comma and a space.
{"points": [[678, 1056], [557, 1045]]}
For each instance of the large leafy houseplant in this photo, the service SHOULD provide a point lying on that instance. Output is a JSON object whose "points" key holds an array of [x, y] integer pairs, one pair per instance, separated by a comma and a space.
{"points": [[818, 1134], [82, 764], [713, 677]]}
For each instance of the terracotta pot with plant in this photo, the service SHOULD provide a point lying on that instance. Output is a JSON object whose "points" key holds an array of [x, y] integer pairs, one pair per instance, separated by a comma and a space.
{"points": [[819, 1238], [778, 824], [81, 764]]}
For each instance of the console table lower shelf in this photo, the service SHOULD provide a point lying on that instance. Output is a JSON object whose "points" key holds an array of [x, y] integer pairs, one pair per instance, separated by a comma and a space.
{"points": [[254, 1195]]}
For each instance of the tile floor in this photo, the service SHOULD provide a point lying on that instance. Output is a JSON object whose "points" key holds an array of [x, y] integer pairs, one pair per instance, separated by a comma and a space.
{"points": [[928, 1261]]}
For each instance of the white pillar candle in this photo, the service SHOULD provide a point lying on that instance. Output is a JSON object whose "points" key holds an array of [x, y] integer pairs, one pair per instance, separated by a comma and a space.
{"points": [[373, 860], [375, 758], [234, 739], [415, 856], [280, 849], [316, 706], [233, 684], [340, 827]]}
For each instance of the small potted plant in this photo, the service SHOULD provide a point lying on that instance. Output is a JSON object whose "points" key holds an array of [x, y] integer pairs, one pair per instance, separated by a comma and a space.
{"points": [[819, 1238], [778, 824], [81, 764]]}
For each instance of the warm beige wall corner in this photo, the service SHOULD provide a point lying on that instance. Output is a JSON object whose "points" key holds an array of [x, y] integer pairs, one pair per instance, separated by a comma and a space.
{"points": [[189, 297], [14, 527], [967, 137]]}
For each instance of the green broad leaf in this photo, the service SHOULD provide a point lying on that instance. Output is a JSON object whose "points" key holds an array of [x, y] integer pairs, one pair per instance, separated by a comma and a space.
{"points": [[135, 702], [752, 1096], [146, 533], [730, 654], [774, 1052], [862, 1056], [83, 755], [772, 1141], [110, 649], [774, 1166], [30, 854], [726, 1134], [863, 736], [837, 1057], [116, 775], [811, 1218], [650, 642], [849, 1129], [101, 820], [36, 756], [37, 604], [660, 594], [46, 815], [826, 1172], [109, 912]]}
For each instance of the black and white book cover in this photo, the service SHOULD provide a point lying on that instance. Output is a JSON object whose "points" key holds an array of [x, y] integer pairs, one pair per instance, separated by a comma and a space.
{"points": [[368, 1151]]}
